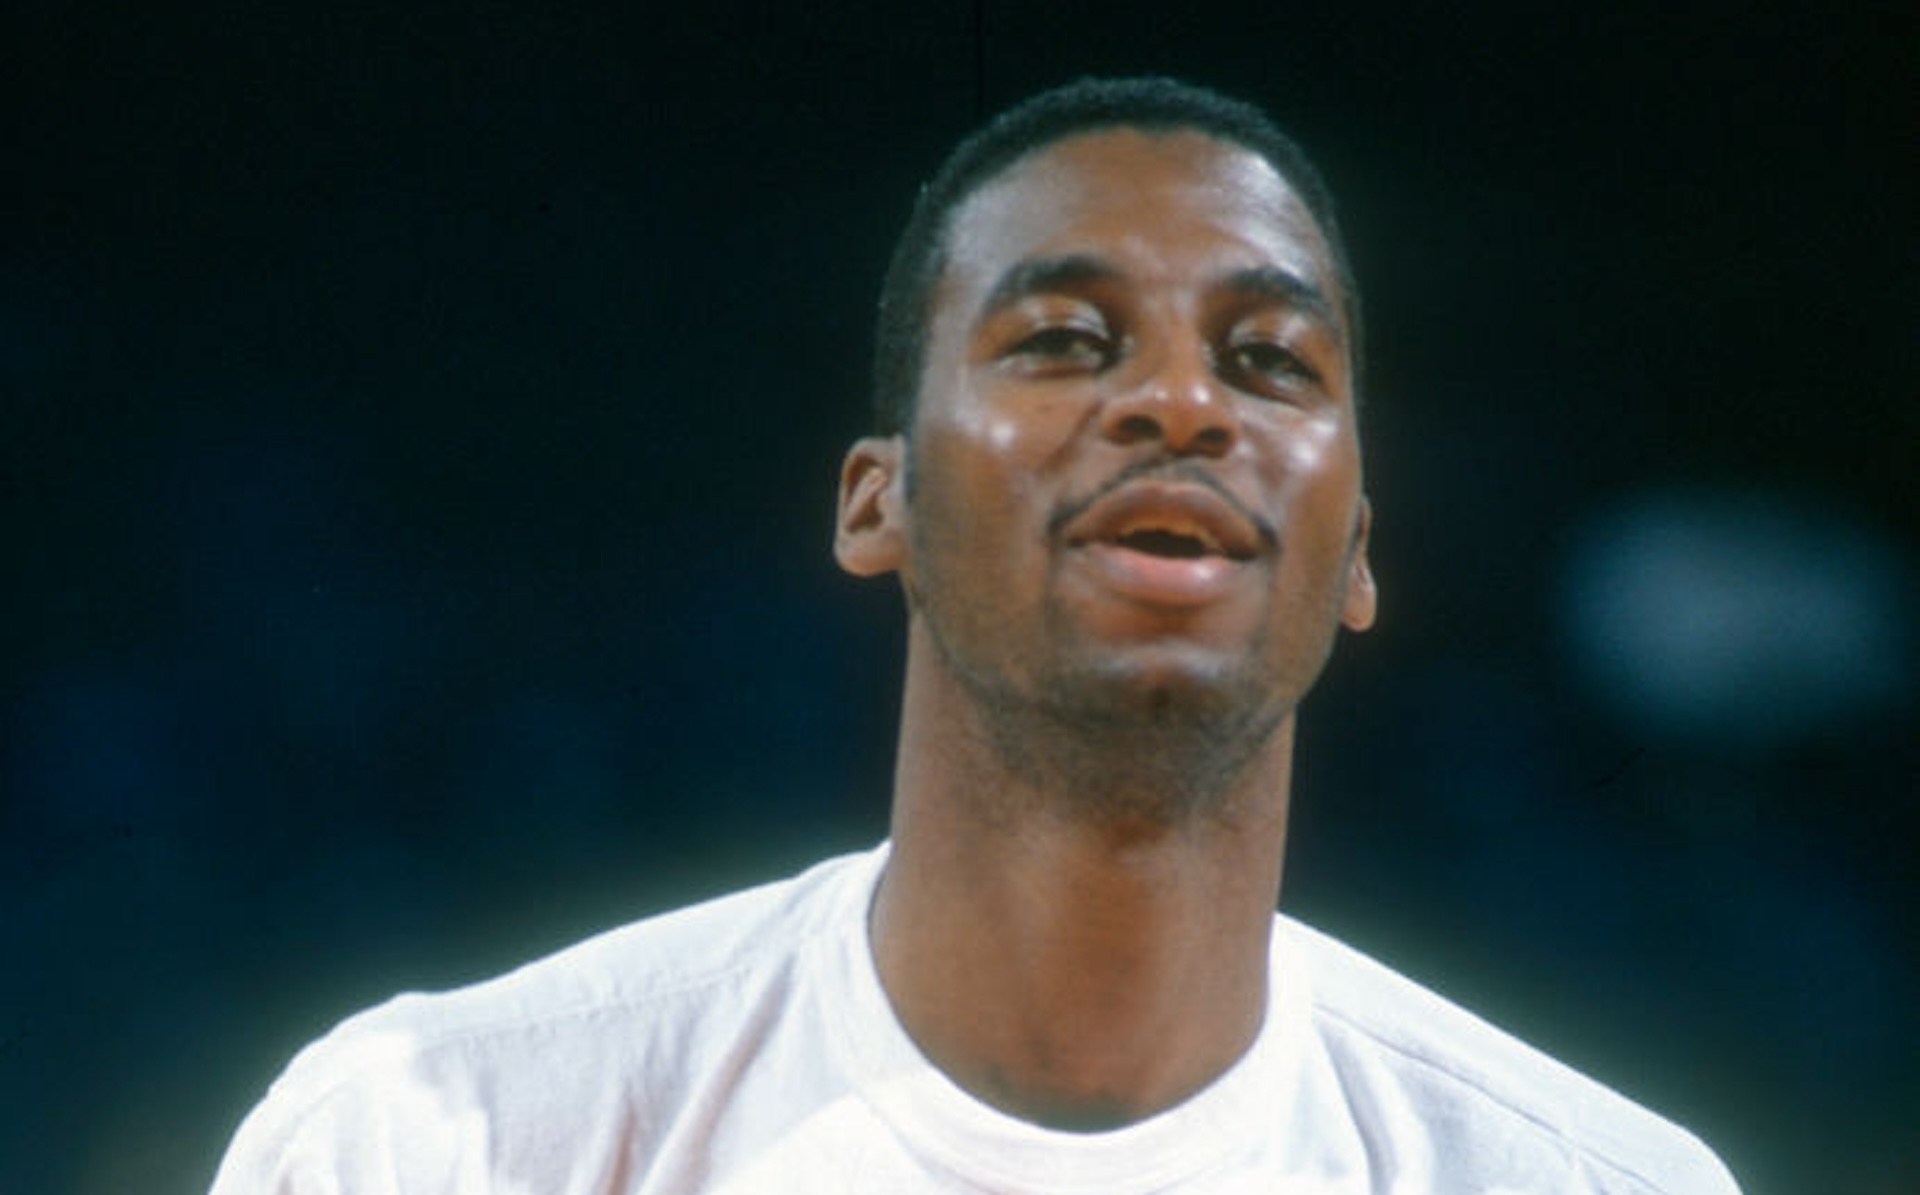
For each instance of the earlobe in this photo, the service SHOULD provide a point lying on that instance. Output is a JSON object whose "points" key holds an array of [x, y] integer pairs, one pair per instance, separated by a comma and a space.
{"points": [[869, 538], [1362, 596]]}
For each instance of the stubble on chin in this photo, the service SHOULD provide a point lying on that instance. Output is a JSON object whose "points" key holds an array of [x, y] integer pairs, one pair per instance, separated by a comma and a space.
{"points": [[1115, 751], [1085, 737]]}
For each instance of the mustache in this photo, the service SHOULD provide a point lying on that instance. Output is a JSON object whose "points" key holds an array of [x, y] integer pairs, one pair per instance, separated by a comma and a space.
{"points": [[1168, 471]]}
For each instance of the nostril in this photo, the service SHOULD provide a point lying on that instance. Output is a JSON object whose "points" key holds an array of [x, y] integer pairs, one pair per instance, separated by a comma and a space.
{"points": [[1212, 439], [1136, 427]]}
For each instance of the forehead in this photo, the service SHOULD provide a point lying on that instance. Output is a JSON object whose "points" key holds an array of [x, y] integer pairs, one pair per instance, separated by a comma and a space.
{"points": [[1149, 201]]}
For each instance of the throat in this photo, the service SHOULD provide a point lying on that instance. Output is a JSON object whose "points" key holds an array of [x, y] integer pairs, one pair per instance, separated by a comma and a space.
{"points": [[1075, 986]]}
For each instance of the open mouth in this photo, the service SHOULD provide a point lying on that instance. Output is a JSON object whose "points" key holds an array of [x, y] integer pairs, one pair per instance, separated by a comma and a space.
{"points": [[1174, 545], [1168, 525]]}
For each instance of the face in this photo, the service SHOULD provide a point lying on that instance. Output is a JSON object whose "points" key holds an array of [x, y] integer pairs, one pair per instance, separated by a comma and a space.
{"points": [[1133, 481]]}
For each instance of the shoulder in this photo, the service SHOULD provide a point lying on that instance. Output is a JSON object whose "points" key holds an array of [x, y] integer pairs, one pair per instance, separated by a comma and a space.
{"points": [[645, 965], [1405, 1048], [624, 1016]]}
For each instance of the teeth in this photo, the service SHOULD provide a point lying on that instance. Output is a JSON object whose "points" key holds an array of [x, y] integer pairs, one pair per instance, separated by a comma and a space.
{"points": [[1163, 540], [1173, 530]]}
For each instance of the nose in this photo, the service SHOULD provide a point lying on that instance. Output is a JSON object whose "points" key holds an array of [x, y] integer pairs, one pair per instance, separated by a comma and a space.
{"points": [[1179, 400]]}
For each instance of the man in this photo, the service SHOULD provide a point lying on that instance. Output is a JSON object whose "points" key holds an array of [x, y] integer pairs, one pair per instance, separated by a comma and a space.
{"points": [[1119, 479]]}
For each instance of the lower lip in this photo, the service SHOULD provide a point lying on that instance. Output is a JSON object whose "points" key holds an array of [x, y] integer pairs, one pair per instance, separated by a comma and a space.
{"points": [[1163, 580]]}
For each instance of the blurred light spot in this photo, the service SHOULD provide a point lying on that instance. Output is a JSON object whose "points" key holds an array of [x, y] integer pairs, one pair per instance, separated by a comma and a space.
{"points": [[1740, 619]]}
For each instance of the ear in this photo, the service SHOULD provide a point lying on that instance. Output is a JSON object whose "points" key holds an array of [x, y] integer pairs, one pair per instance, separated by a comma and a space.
{"points": [[1362, 597], [869, 535]]}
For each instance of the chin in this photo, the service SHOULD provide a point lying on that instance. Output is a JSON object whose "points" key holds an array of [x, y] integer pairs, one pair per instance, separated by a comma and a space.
{"points": [[1168, 683]]}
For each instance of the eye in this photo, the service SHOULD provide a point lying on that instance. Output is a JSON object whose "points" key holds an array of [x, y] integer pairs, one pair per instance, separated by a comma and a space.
{"points": [[1270, 363], [1064, 348]]}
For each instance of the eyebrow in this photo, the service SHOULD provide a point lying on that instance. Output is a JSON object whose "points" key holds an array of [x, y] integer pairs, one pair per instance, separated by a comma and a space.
{"points": [[1074, 271], [1039, 275], [1283, 287]]}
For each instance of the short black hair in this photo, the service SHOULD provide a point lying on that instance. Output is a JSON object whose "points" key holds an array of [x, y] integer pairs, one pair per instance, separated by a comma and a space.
{"points": [[1150, 104]]}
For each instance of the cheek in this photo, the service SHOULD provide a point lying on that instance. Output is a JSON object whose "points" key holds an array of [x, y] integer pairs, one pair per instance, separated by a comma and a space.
{"points": [[1313, 461], [1021, 432], [1307, 452], [974, 478], [1002, 435], [1317, 482], [1002, 457]]}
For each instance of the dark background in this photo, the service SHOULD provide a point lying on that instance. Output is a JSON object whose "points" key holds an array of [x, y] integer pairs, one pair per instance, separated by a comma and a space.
{"points": [[417, 454]]}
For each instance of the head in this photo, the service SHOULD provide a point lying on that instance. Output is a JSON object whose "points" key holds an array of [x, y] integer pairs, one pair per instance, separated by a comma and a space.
{"points": [[1152, 104], [1126, 508]]}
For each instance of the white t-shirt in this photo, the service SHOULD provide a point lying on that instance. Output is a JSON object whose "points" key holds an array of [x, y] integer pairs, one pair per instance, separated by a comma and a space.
{"points": [[745, 1047]]}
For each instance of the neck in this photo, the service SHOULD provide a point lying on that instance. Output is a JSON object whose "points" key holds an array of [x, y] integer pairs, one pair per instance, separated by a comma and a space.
{"points": [[1071, 968]]}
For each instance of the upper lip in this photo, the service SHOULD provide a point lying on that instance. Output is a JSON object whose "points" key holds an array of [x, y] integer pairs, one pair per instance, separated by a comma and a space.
{"points": [[1213, 522]]}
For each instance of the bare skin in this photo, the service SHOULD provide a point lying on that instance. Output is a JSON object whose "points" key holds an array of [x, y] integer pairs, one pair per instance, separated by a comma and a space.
{"points": [[1129, 523], [1075, 975]]}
